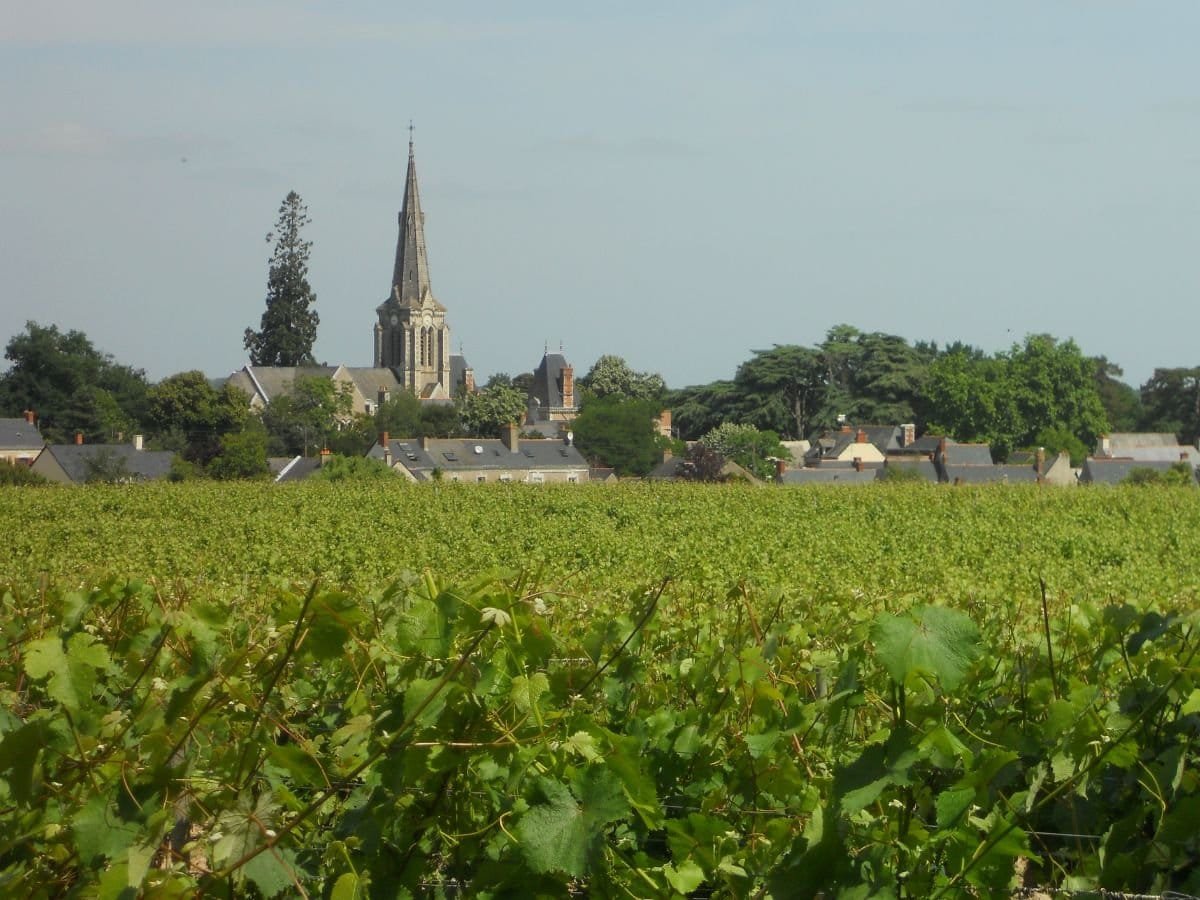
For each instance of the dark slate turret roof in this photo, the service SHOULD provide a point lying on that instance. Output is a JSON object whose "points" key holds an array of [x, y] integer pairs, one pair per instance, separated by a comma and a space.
{"points": [[547, 380]]}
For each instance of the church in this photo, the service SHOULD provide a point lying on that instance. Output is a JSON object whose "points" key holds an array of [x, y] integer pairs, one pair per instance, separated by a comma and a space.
{"points": [[412, 348], [411, 336]]}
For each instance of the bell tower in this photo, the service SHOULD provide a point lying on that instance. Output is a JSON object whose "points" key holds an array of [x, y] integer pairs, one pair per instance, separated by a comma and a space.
{"points": [[411, 334]]}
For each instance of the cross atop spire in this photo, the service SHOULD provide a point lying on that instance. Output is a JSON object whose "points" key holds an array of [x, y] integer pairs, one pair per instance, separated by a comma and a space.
{"points": [[410, 278]]}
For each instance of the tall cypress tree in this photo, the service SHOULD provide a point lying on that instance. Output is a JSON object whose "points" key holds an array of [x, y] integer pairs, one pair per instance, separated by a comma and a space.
{"points": [[288, 328]]}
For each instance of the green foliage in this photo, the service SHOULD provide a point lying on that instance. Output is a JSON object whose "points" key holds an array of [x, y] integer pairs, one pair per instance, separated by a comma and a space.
{"points": [[106, 467], [1180, 474], [288, 328], [243, 454], [1122, 404], [192, 415], [1171, 402], [1041, 386], [302, 420], [753, 450], [353, 468], [486, 412], [619, 433], [71, 385], [18, 475], [1055, 440], [907, 728], [610, 377]]}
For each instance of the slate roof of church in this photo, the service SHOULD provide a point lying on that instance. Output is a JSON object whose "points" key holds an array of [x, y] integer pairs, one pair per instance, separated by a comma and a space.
{"points": [[458, 371]]}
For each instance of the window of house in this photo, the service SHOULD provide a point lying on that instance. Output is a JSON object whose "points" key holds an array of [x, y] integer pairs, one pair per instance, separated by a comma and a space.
{"points": [[536, 478]]}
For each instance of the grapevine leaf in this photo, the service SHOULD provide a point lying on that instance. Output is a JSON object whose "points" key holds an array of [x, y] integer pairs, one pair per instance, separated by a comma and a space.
{"points": [[585, 745], [526, 691], [760, 744], [18, 757], [271, 872], [685, 877], [328, 629], [560, 834], [951, 804], [939, 641], [99, 832], [346, 888], [71, 671]]}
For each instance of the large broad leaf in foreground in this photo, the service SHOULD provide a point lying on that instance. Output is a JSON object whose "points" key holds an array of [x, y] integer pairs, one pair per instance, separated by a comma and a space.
{"points": [[934, 640], [560, 834]]}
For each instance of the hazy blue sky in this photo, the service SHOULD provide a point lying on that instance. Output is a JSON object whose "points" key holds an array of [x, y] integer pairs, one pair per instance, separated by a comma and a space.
{"points": [[676, 183]]}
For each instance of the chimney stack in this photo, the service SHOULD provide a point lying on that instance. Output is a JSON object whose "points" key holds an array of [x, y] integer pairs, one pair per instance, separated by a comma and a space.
{"points": [[664, 423], [1105, 448], [846, 428], [425, 442], [860, 437], [780, 468], [325, 456], [509, 437], [137, 442], [30, 416], [469, 381], [79, 437], [384, 395], [568, 387], [908, 435], [384, 440], [1041, 462]]}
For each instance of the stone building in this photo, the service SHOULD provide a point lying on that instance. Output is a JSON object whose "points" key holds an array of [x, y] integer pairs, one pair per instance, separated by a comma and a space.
{"points": [[411, 335]]}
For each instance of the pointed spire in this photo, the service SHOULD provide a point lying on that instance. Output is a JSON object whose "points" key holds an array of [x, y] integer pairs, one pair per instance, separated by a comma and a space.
{"points": [[410, 279]]}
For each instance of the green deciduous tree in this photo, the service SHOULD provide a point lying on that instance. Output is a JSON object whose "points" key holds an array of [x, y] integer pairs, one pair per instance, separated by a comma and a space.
{"points": [[1121, 402], [620, 434], [186, 413], [611, 376], [71, 385], [1171, 400], [288, 328], [243, 454], [752, 449], [485, 413], [302, 420]]}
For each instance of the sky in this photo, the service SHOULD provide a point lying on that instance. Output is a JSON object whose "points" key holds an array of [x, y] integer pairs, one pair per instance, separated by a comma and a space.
{"points": [[679, 184]]}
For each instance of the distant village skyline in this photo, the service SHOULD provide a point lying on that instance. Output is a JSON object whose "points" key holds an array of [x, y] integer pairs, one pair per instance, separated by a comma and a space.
{"points": [[741, 177]]}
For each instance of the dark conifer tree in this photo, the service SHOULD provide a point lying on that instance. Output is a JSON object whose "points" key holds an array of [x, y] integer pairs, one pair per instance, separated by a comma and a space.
{"points": [[288, 328]]}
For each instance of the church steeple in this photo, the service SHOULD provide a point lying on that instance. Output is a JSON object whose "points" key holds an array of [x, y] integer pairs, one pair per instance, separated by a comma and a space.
{"points": [[410, 279]]}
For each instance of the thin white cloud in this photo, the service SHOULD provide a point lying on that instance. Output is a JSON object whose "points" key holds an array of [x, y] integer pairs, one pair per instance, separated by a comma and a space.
{"points": [[218, 23], [79, 139]]}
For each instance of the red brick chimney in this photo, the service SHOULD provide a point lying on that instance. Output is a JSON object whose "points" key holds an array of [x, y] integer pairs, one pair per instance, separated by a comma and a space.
{"points": [[30, 416], [1041, 462], [568, 386], [780, 467], [846, 429], [860, 437], [79, 437], [664, 423], [325, 455], [384, 439]]}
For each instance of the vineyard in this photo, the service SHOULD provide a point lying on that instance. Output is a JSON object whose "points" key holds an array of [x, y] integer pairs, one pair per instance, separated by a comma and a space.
{"points": [[338, 690]]}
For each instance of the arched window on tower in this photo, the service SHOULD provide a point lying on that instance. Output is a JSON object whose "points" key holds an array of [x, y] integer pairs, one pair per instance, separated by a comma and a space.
{"points": [[426, 346]]}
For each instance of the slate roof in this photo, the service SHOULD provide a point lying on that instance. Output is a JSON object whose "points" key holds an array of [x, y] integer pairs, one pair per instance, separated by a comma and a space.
{"points": [[368, 380], [269, 382], [828, 475], [143, 465], [1127, 440], [1114, 471], [458, 455], [968, 454], [17, 434], [921, 465], [1171, 454], [547, 381], [990, 474], [458, 371], [292, 468]]}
